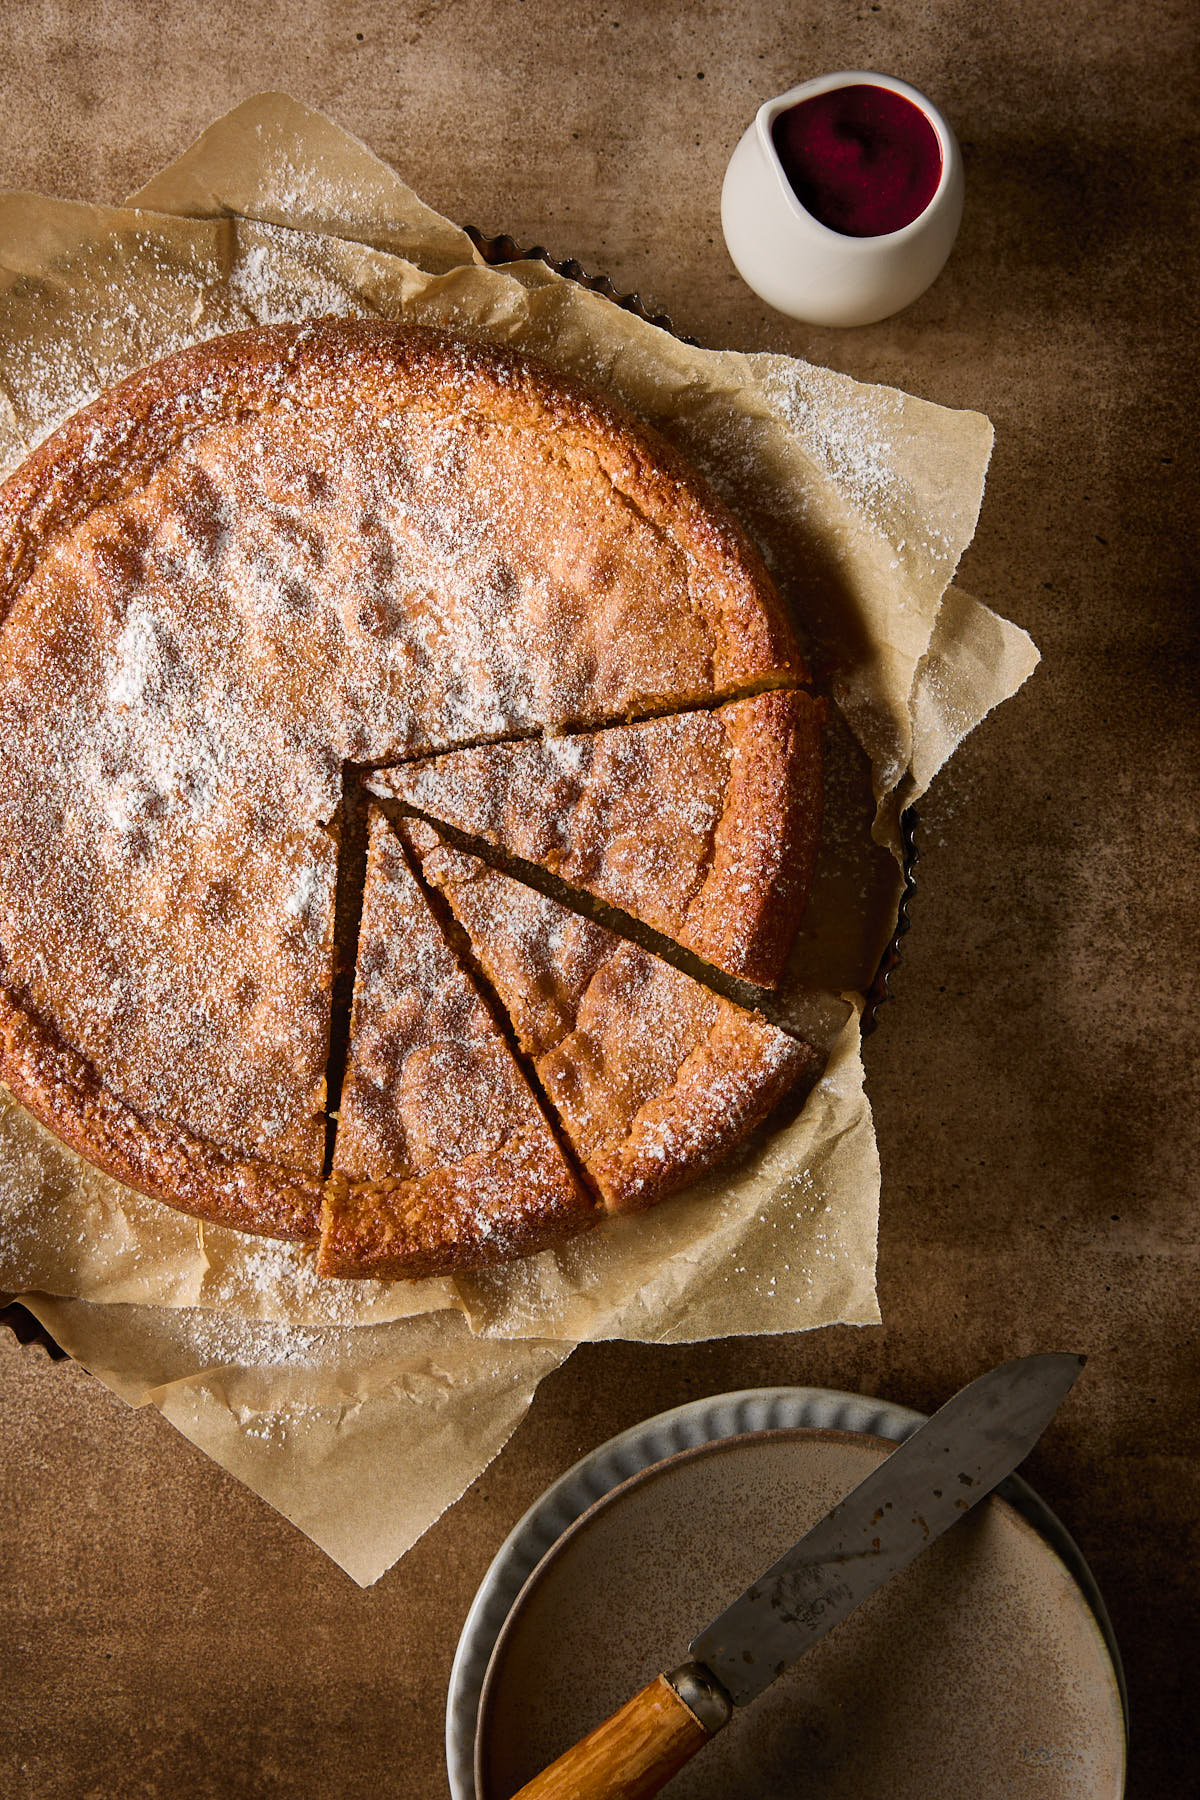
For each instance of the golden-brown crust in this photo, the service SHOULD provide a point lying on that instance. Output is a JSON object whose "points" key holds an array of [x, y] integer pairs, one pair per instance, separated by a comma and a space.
{"points": [[444, 1158], [155, 1157], [702, 825], [654, 1077], [114, 446], [505, 1202], [125, 496], [729, 1083], [746, 914]]}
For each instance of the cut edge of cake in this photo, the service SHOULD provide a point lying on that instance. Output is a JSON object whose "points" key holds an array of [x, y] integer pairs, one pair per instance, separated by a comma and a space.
{"points": [[703, 826], [465, 1189], [565, 994]]}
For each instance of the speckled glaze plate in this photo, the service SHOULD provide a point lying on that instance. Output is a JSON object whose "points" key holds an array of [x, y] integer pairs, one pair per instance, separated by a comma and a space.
{"points": [[988, 1668]]}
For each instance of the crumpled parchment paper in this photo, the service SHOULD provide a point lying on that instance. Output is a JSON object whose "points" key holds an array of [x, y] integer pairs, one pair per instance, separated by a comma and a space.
{"points": [[862, 499]]}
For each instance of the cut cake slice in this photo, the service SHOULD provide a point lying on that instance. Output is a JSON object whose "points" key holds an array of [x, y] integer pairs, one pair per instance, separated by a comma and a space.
{"points": [[703, 825], [654, 1076], [443, 1157]]}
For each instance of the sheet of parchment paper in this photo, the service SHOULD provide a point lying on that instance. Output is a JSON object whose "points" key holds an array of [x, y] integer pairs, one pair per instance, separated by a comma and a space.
{"points": [[862, 499], [362, 1436]]}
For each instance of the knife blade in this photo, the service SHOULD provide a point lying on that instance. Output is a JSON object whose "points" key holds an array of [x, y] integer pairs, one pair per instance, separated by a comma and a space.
{"points": [[929, 1482]]}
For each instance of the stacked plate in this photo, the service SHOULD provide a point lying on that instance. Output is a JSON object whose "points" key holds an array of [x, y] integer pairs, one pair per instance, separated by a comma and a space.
{"points": [[987, 1668]]}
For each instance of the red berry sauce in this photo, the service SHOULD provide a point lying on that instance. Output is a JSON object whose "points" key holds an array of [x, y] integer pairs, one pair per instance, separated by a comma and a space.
{"points": [[863, 160]]}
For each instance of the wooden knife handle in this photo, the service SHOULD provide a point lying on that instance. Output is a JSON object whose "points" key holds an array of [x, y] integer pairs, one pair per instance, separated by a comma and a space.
{"points": [[635, 1752]]}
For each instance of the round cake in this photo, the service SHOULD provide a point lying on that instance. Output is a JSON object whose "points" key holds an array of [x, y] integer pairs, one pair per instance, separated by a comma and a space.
{"points": [[265, 608]]}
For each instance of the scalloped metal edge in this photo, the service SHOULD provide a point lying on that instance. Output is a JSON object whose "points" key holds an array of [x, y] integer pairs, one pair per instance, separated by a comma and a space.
{"points": [[504, 249], [881, 985], [686, 1427]]}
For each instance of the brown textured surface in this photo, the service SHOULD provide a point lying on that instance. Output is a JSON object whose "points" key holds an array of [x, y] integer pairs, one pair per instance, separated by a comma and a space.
{"points": [[654, 1078], [704, 825], [165, 1632]]}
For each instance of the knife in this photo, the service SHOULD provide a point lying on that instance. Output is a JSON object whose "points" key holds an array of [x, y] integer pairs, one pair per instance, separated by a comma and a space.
{"points": [[925, 1486]]}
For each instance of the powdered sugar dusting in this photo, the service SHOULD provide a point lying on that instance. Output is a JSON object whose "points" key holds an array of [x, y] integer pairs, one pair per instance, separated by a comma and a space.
{"points": [[628, 813], [330, 563], [698, 825], [429, 1079], [653, 1076], [262, 281], [853, 443], [433, 1101]]}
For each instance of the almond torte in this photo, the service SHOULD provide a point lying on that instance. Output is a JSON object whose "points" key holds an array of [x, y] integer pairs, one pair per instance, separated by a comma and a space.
{"points": [[244, 582], [654, 1076]]}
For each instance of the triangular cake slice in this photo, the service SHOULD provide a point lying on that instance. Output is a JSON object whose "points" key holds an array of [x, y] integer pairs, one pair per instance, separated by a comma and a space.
{"points": [[654, 1076], [703, 825], [443, 1157]]}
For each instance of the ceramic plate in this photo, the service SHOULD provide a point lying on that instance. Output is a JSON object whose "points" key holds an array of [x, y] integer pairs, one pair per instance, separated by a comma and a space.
{"points": [[993, 1623]]}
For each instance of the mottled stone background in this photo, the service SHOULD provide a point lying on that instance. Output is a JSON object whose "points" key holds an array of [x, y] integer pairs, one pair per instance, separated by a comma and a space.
{"points": [[164, 1632]]}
